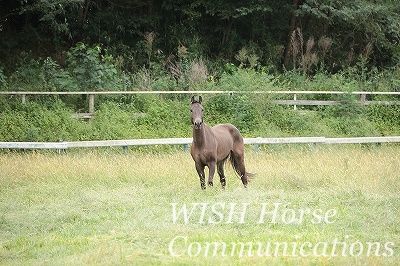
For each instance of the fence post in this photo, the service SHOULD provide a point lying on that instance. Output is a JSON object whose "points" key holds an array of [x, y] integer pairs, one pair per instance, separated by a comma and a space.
{"points": [[23, 98], [61, 151], [185, 147], [295, 99], [91, 103], [363, 98], [256, 147]]}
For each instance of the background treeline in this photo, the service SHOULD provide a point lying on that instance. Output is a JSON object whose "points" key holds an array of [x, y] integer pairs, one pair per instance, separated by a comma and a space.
{"points": [[307, 34], [174, 44], [84, 45]]}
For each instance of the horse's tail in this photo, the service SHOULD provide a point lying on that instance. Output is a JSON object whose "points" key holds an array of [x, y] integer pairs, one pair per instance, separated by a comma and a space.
{"points": [[237, 165]]}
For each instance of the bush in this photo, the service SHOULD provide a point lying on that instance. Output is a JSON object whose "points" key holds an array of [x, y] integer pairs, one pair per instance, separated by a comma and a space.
{"points": [[33, 122], [93, 68], [14, 126], [386, 119], [238, 109], [143, 118], [113, 122], [28, 75], [246, 80]]}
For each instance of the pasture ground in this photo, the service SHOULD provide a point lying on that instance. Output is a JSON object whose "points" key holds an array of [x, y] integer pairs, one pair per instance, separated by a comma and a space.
{"points": [[107, 207]]}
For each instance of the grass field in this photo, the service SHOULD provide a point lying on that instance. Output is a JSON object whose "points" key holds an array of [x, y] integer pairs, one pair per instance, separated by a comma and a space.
{"points": [[335, 205]]}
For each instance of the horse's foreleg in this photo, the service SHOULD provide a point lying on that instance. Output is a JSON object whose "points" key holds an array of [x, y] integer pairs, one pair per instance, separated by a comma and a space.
{"points": [[200, 172], [211, 168], [220, 167]]}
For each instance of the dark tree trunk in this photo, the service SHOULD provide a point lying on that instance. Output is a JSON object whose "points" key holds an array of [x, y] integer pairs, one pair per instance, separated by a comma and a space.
{"points": [[293, 25]]}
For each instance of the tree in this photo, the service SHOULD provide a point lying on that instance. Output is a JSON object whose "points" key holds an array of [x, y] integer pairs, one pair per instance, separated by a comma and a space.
{"points": [[353, 25], [213, 29]]}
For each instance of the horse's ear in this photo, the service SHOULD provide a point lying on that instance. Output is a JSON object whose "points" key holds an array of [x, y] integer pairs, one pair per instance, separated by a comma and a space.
{"points": [[200, 99], [192, 100]]}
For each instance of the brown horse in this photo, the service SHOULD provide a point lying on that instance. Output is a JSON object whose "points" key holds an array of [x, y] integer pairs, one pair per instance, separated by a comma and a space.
{"points": [[212, 146]]}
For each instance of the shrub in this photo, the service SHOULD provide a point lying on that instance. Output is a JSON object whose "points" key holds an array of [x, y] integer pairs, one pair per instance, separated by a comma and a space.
{"points": [[386, 119], [167, 118], [93, 68], [41, 75], [113, 122], [56, 78], [28, 75], [246, 80], [34, 122], [14, 125]]}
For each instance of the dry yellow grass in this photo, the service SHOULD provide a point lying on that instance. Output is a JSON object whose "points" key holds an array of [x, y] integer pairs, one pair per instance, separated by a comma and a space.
{"points": [[103, 207]]}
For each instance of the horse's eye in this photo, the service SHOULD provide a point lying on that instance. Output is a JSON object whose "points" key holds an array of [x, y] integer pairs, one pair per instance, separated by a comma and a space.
{"points": [[191, 110]]}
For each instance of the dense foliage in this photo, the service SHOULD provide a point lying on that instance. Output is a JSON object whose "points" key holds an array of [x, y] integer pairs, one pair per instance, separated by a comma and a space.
{"points": [[306, 34]]}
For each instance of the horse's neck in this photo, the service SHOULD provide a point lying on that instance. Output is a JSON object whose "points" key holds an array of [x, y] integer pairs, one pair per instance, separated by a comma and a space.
{"points": [[199, 136]]}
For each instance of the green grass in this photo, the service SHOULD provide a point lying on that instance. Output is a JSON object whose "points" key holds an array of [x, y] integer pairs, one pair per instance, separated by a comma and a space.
{"points": [[105, 207]]}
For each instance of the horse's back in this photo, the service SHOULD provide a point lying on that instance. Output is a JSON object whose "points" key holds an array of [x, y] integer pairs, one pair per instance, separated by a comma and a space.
{"points": [[227, 132]]}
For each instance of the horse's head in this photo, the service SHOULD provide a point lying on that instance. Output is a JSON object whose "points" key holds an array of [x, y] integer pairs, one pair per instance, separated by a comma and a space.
{"points": [[196, 112]]}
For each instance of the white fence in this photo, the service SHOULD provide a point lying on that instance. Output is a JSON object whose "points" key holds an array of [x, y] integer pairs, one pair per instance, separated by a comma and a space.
{"points": [[186, 141]]}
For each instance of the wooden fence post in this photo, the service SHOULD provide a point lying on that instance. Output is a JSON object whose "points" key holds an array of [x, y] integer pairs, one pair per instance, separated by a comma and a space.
{"points": [[91, 103], [23, 98], [363, 98], [295, 99]]}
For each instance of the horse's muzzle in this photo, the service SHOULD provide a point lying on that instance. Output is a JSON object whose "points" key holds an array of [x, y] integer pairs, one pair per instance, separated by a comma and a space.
{"points": [[197, 124]]}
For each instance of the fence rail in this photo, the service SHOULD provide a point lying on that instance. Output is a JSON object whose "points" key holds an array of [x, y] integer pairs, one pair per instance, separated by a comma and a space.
{"points": [[186, 141], [294, 94]]}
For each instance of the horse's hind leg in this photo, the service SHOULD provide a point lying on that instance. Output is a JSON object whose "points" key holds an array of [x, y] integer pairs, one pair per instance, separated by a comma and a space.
{"points": [[200, 172], [239, 166], [242, 171], [220, 167]]}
